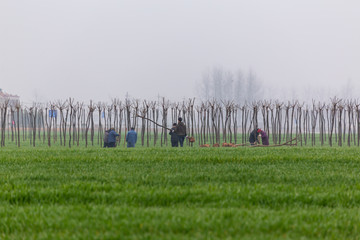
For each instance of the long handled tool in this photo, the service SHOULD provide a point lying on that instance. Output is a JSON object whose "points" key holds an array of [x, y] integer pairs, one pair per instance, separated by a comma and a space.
{"points": [[153, 122], [125, 137]]}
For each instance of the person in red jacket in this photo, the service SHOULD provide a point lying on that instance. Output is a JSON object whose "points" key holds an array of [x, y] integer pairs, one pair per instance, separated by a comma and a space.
{"points": [[264, 137]]}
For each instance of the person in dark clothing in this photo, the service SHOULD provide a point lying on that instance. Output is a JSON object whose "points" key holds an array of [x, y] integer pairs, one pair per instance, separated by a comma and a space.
{"points": [[264, 138], [253, 139], [112, 138], [131, 138], [181, 131], [174, 136], [106, 138]]}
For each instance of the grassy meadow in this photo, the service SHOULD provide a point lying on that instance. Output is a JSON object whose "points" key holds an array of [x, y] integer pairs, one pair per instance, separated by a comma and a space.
{"points": [[182, 193]]}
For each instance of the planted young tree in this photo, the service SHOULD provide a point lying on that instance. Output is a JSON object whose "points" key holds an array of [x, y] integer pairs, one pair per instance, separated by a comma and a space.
{"points": [[244, 120], [201, 111], [109, 114], [72, 123], [100, 127], [33, 116], [18, 107], [128, 113], [227, 124], [80, 110], [277, 122], [299, 119], [143, 111], [357, 122], [287, 122], [165, 107], [135, 108], [42, 116], [12, 123], [294, 105], [155, 115], [340, 111], [90, 124], [4, 107], [120, 108], [49, 121], [63, 108], [213, 114], [235, 121], [147, 107], [322, 136], [349, 107]]}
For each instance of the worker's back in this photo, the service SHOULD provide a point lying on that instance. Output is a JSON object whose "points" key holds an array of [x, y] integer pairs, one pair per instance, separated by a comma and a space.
{"points": [[131, 138], [253, 136], [180, 129]]}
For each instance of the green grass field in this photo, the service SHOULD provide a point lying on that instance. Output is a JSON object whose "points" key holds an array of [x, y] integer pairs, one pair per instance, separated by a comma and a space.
{"points": [[189, 193]]}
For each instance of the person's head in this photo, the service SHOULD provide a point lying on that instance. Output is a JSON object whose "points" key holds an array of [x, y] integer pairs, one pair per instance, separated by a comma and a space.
{"points": [[258, 130], [112, 129], [132, 129], [174, 124], [180, 119]]}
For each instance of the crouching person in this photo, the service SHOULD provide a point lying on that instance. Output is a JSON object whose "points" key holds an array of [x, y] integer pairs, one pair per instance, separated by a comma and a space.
{"points": [[131, 138], [264, 137], [253, 139], [112, 138]]}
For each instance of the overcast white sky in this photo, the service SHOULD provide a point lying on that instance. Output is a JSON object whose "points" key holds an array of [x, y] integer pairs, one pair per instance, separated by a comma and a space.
{"points": [[101, 49]]}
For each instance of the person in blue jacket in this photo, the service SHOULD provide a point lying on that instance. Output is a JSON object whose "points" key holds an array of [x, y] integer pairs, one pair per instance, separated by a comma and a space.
{"points": [[174, 136], [112, 138], [106, 138], [131, 138]]}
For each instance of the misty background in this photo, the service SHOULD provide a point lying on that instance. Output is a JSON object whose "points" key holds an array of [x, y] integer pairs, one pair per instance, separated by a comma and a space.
{"points": [[99, 50]]}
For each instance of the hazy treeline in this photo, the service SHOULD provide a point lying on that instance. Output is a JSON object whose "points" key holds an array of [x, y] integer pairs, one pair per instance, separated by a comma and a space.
{"points": [[70, 123], [221, 84], [247, 86]]}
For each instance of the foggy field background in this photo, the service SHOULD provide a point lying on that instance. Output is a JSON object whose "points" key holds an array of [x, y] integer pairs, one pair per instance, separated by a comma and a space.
{"points": [[289, 67], [102, 50]]}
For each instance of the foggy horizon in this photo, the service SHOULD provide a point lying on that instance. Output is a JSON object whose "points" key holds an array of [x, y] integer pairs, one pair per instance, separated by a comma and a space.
{"points": [[102, 50]]}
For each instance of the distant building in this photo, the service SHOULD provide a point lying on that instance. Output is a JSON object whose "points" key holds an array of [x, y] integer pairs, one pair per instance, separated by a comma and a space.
{"points": [[13, 99]]}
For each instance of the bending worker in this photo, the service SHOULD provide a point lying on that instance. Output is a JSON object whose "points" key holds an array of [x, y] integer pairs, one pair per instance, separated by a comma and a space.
{"points": [[264, 137], [253, 139]]}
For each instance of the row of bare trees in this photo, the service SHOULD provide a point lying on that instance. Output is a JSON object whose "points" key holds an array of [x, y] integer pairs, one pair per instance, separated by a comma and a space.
{"points": [[70, 123]]}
